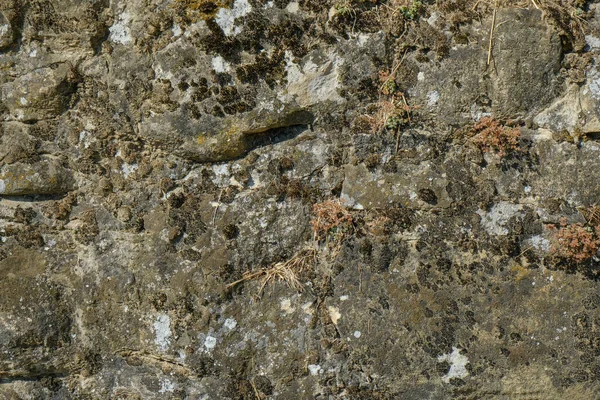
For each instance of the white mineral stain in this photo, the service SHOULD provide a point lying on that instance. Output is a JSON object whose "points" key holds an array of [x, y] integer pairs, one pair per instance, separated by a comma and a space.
{"points": [[458, 363], [226, 16], [162, 330], [119, 31]]}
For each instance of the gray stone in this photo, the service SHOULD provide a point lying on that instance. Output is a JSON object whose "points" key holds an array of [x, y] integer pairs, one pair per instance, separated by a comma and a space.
{"points": [[522, 78]]}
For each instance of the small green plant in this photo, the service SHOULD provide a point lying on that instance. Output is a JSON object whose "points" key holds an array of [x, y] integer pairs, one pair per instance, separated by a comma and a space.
{"points": [[411, 11], [388, 82], [344, 8]]}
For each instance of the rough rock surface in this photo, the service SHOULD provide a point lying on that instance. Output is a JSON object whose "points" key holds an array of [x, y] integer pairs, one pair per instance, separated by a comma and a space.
{"points": [[314, 199]]}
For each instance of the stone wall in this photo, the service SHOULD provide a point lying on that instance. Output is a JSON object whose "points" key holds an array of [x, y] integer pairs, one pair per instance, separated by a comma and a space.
{"points": [[315, 199]]}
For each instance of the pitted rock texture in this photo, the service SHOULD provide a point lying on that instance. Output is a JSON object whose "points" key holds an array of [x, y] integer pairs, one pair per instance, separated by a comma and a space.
{"points": [[252, 199]]}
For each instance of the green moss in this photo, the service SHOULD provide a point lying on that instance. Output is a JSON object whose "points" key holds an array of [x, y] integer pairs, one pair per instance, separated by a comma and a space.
{"points": [[412, 11]]}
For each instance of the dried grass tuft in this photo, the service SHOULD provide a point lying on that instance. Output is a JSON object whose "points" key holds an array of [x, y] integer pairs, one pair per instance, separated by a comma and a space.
{"points": [[288, 271]]}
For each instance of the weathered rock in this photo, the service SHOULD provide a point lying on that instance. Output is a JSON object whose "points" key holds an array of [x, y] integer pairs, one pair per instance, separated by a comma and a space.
{"points": [[6, 32], [363, 190], [224, 139], [44, 177], [521, 79], [285, 199], [577, 111], [41, 94]]}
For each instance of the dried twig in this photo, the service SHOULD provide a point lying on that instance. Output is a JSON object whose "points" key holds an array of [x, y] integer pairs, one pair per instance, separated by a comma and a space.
{"points": [[217, 207], [256, 393], [491, 46]]}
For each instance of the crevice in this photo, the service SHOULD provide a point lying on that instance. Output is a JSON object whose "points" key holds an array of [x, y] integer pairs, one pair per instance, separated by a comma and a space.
{"points": [[29, 376]]}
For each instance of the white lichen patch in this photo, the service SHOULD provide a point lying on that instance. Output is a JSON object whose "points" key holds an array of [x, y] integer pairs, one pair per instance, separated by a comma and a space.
{"points": [[2, 186], [540, 243], [230, 324], [221, 174], [226, 17], [128, 169], [477, 112], [315, 369], [350, 202], [120, 32], [458, 363], [210, 342], [494, 221], [220, 65], [166, 386], [293, 7], [176, 30], [592, 41], [162, 331], [432, 98], [594, 83]]}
